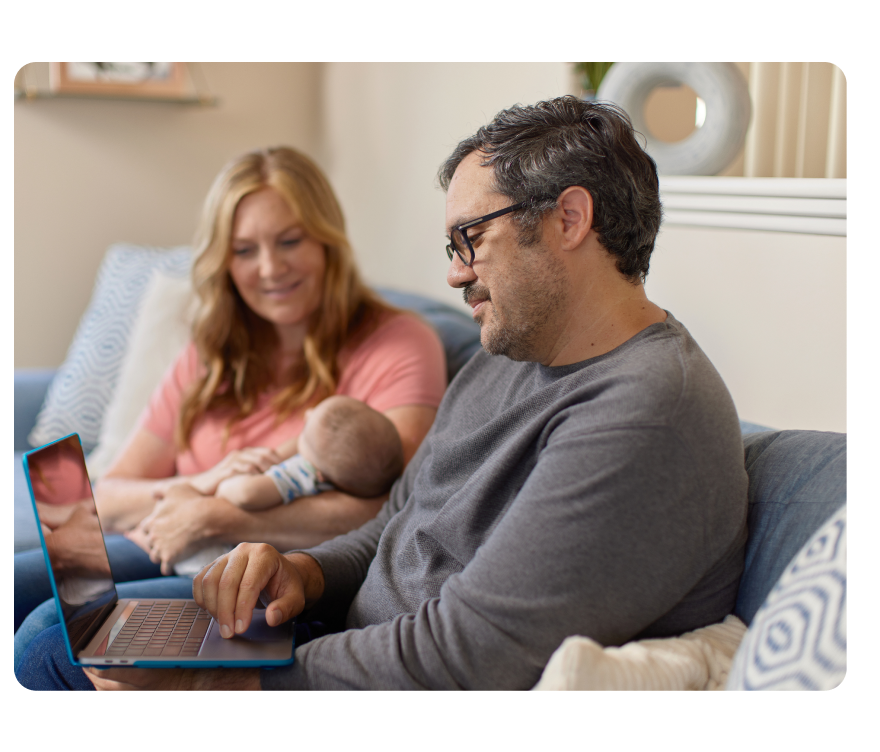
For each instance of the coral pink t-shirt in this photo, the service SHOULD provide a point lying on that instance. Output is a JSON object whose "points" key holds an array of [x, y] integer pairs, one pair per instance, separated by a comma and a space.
{"points": [[401, 363]]}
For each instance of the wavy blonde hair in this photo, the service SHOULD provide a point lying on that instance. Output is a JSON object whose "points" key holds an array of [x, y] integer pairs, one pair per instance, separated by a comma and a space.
{"points": [[236, 345]]}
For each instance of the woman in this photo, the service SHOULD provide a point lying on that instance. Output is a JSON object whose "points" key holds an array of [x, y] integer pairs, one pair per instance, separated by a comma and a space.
{"points": [[284, 321]]}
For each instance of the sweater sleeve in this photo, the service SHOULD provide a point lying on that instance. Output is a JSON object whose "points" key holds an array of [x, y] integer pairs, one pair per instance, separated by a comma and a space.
{"points": [[583, 549]]}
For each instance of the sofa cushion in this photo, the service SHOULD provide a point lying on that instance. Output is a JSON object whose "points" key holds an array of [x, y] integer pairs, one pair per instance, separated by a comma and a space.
{"points": [[81, 390], [459, 333], [797, 639], [24, 520], [797, 480]]}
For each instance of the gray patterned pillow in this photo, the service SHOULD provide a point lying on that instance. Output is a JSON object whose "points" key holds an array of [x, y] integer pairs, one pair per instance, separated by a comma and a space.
{"points": [[797, 639], [84, 384]]}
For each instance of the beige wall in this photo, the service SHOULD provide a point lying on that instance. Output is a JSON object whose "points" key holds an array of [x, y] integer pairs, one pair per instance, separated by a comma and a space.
{"points": [[391, 126], [90, 173], [768, 308]]}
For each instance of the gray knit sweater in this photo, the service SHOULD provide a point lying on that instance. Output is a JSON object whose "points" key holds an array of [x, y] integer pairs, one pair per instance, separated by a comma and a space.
{"points": [[605, 498]]}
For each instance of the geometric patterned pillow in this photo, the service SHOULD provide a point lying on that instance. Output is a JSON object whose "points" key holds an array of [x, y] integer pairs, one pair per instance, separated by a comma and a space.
{"points": [[84, 384], [797, 639]]}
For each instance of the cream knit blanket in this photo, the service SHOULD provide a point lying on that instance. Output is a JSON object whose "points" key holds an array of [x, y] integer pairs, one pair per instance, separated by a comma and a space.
{"points": [[697, 660]]}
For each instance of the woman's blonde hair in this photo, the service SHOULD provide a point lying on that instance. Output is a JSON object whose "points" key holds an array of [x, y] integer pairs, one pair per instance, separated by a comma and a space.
{"points": [[236, 345]]}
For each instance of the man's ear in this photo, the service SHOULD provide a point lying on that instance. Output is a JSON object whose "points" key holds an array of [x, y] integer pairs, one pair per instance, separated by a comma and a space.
{"points": [[575, 206]]}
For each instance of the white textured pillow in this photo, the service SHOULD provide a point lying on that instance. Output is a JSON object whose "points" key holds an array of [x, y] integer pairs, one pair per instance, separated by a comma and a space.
{"points": [[160, 331], [81, 390], [697, 660]]}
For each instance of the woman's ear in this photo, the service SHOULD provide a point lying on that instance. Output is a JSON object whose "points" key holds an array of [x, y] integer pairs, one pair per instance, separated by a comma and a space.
{"points": [[575, 205]]}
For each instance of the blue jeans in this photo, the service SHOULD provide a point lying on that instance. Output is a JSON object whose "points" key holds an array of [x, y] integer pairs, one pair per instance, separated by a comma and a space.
{"points": [[35, 608], [46, 667]]}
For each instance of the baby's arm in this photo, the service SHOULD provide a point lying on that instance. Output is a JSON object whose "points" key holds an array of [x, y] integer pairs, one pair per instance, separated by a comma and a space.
{"points": [[250, 492]]}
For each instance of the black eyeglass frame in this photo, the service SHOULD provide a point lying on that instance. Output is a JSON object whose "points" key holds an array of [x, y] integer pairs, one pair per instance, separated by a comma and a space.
{"points": [[462, 230]]}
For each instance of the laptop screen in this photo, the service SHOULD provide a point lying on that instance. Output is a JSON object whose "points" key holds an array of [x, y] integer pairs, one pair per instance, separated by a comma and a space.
{"points": [[74, 543]]}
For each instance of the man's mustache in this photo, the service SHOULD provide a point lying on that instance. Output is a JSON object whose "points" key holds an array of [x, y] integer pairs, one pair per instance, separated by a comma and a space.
{"points": [[473, 291]]}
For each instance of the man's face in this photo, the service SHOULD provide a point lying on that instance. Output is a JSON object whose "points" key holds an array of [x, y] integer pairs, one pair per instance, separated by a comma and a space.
{"points": [[515, 292]]}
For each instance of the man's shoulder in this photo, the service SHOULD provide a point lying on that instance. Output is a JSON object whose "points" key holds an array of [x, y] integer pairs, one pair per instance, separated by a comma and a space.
{"points": [[647, 379]]}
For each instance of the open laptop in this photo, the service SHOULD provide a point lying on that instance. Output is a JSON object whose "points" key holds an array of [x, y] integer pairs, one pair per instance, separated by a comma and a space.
{"points": [[99, 628]]}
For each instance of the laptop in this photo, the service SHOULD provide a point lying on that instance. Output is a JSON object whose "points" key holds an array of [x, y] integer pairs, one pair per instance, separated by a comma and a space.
{"points": [[102, 630]]}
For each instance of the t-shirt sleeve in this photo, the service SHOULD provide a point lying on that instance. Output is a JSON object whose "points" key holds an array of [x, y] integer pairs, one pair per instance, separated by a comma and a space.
{"points": [[160, 415], [401, 363]]}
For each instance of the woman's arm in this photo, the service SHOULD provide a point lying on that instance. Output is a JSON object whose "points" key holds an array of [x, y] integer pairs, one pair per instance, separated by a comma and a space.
{"points": [[128, 491], [144, 473], [185, 518]]}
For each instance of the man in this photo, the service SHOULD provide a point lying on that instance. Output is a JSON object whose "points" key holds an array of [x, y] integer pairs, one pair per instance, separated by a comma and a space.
{"points": [[584, 474]]}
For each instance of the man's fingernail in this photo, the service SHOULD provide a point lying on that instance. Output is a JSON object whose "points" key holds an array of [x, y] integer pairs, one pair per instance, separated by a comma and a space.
{"points": [[225, 631], [239, 626]]}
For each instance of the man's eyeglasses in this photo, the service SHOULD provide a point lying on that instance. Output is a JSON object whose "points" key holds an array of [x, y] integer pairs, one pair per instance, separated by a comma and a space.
{"points": [[461, 243]]}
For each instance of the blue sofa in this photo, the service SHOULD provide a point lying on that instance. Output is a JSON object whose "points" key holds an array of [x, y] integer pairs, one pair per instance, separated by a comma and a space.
{"points": [[797, 482]]}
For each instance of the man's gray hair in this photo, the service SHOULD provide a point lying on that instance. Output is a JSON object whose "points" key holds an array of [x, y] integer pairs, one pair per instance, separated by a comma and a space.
{"points": [[540, 150]]}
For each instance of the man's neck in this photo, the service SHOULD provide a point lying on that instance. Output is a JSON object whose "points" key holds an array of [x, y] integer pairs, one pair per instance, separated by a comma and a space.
{"points": [[602, 317]]}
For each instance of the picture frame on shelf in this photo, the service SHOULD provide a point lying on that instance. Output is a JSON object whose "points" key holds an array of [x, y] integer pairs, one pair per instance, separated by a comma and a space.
{"points": [[138, 80]]}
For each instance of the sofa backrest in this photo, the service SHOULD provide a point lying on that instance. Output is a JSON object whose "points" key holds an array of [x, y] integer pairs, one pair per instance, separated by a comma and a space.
{"points": [[797, 480]]}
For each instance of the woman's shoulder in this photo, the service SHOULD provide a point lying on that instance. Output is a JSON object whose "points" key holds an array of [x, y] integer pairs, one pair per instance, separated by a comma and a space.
{"points": [[397, 329]]}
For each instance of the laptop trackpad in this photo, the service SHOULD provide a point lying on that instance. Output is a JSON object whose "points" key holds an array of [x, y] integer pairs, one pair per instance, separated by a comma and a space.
{"points": [[259, 640]]}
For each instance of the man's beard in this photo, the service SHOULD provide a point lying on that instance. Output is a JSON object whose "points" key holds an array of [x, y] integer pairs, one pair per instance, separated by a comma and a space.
{"points": [[518, 335]]}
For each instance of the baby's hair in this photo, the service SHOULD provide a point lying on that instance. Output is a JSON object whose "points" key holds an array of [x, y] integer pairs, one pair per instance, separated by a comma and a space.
{"points": [[358, 449]]}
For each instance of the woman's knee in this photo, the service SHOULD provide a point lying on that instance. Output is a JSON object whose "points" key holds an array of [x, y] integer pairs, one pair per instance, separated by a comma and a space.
{"points": [[46, 666]]}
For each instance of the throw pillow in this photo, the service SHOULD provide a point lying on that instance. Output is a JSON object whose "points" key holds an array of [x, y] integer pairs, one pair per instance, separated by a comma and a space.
{"points": [[160, 331], [82, 387], [697, 660], [797, 639]]}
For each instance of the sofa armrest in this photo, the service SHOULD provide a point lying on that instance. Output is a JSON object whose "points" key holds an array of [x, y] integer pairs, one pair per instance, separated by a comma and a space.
{"points": [[31, 385]]}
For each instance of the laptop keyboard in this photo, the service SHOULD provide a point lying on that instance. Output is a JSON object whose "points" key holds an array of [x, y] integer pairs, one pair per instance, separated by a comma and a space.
{"points": [[165, 628]]}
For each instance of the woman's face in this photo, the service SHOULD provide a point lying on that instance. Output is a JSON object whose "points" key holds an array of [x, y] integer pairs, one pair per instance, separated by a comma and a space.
{"points": [[277, 269]]}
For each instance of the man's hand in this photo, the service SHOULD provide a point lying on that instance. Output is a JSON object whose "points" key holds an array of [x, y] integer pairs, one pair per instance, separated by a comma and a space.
{"points": [[230, 587], [248, 461], [177, 522], [177, 679]]}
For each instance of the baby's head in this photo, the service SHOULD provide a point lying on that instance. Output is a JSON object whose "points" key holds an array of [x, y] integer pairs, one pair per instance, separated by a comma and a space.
{"points": [[354, 447]]}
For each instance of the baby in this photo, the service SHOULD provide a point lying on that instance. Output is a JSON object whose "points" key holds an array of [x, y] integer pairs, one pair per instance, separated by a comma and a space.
{"points": [[344, 445]]}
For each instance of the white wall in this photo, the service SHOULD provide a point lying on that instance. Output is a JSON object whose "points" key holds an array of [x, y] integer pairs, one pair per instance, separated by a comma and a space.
{"points": [[769, 309], [391, 125]]}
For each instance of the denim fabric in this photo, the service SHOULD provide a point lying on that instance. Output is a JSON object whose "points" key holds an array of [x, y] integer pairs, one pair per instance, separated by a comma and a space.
{"points": [[797, 480], [46, 666], [127, 560]]}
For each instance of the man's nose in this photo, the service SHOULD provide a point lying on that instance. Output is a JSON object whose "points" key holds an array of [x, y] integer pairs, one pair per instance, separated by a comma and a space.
{"points": [[459, 275]]}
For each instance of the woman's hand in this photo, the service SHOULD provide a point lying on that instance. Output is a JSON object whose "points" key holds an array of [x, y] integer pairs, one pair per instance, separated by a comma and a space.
{"points": [[178, 522], [249, 461], [230, 587]]}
